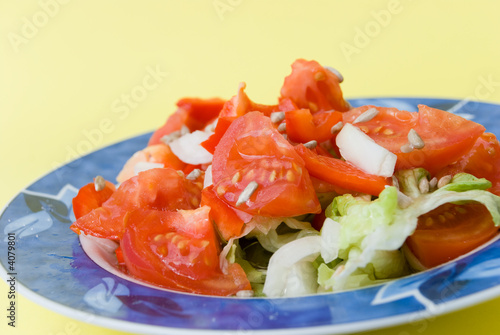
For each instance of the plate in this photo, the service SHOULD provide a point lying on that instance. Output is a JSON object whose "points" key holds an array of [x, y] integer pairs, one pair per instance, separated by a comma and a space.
{"points": [[51, 268]]}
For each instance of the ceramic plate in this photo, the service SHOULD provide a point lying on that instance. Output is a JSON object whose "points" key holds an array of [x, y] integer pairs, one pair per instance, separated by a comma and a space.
{"points": [[52, 269]]}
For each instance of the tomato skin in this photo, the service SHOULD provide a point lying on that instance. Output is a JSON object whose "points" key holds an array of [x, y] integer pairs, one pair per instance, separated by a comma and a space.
{"points": [[447, 136], [340, 173], [194, 113], [89, 199], [442, 239], [228, 220], [155, 153], [253, 150], [302, 126], [179, 251], [159, 189], [313, 87], [220, 129], [482, 161]]}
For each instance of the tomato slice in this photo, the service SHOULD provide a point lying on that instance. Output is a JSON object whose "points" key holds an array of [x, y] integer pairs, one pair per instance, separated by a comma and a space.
{"points": [[340, 173], [252, 150], [450, 231], [482, 161], [89, 199], [160, 189], [193, 113], [240, 104], [156, 153], [312, 86], [447, 136], [220, 129], [302, 126], [228, 220], [179, 251]]}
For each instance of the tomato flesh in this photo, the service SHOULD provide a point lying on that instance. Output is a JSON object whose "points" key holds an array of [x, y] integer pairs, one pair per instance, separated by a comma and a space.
{"points": [[302, 126], [253, 150], [482, 161], [450, 231], [447, 136], [159, 189], [193, 113], [340, 173], [178, 250], [312, 86], [89, 199]]}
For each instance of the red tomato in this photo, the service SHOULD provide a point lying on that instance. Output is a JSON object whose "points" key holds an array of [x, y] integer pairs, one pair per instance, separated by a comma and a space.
{"points": [[159, 189], [228, 220], [302, 126], [340, 173], [89, 199], [156, 153], [193, 113], [222, 124], [253, 150], [447, 136], [179, 251], [313, 87], [450, 231], [241, 104], [482, 161]]}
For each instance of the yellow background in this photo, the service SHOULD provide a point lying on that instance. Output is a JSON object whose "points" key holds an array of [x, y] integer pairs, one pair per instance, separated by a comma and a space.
{"points": [[65, 67]]}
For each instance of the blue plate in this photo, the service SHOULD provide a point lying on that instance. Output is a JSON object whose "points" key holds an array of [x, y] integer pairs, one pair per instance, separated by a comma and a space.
{"points": [[52, 269]]}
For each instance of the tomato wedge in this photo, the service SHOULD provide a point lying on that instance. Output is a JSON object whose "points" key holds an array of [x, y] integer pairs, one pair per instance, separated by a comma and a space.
{"points": [[450, 231], [312, 86], [193, 113], [252, 150], [447, 136], [340, 173], [302, 126], [482, 161], [178, 250], [160, 189], [228, 220], [89, 199]]}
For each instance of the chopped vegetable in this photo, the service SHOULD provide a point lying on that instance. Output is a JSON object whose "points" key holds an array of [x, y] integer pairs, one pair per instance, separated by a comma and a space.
{"points": [[236, 198]]}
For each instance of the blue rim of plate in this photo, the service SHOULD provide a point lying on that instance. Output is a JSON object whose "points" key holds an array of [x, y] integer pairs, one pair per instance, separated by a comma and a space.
{"points": [[52, 269]]}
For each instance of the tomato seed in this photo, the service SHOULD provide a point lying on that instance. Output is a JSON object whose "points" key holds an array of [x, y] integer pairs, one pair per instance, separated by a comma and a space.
{"points": [[290, 176], [313, 107], [236, 177], [272, 177], [319, 76]]}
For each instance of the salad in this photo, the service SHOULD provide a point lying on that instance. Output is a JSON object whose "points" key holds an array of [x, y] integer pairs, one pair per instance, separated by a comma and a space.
{"points": [[235, 198]]}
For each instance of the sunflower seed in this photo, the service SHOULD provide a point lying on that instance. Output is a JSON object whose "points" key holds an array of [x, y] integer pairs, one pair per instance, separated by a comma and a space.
{"points": [[415, 140], [433, 183], [406, 148], [423, 185], [247, 192], [193, 175], [443, 181], [277, 117], [99, 183], [311, 144], [245, 294], [404, 201], [282, 127], [337, 127], [367, 115], [336, 73]]}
